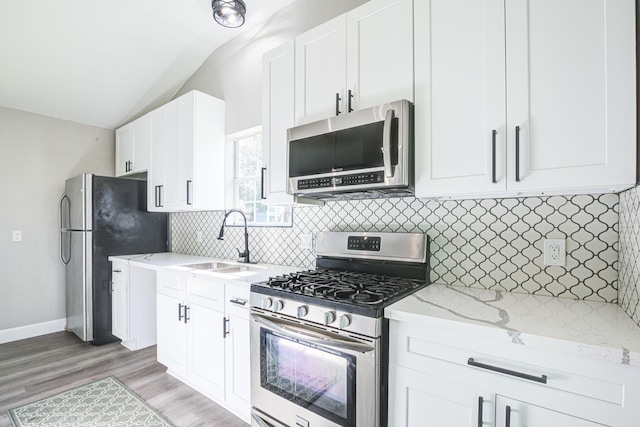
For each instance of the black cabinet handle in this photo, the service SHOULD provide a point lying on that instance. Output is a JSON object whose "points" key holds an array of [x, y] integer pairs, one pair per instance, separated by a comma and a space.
{"points": [[541, 379], [338, 99], [225, 330], [238, 301], [349, 98], [507, 422], [156, 196], [188, 190], [494, 133], [186, 317], [263, 172], [180, 316], [517, 153], [480, 402], [160, 203]]}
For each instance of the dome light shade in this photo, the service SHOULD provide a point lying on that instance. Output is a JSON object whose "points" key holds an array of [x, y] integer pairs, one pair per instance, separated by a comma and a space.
{"points": [[229, 13]]}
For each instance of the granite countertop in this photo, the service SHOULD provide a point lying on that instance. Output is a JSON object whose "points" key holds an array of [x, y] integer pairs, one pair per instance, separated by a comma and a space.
{"points": [[591, 329], [157, 261]]}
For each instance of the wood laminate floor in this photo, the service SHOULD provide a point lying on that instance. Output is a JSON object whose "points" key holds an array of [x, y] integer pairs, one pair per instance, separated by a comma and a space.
{"points": [[39, 367]]}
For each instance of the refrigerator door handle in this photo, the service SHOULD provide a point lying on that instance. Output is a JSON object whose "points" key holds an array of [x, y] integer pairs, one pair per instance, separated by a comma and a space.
{"points": [[64, 230]]}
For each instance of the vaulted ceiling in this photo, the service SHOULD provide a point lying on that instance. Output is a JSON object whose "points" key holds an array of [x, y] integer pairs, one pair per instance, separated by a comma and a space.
{"points": [[102, 62]]}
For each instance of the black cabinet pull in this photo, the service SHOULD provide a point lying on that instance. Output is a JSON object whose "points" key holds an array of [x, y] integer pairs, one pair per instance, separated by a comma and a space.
{"points": [[480, 402], [188, 190], [263, 195], [349, 98], [186, 317], [156, 196], [238, 301], [160, 203], [338, 99], [180, 316], [541, 379], [494, 133], [517, 153], [225, 330], [507, 422]]}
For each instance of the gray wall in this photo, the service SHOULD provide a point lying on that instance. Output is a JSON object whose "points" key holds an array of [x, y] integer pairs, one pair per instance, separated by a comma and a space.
{"points": [[38, 154], [234, 71]]}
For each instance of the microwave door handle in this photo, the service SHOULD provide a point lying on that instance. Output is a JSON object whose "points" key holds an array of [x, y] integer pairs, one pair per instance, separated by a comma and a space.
{"points": [[313, 338], [386, 143]]}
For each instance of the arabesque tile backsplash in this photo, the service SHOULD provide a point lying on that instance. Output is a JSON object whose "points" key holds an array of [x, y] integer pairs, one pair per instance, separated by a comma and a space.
{"points": [[487, 243]]}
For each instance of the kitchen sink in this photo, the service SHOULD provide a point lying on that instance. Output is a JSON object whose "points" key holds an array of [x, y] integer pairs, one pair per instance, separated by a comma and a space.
{"points": [[214, 265]]}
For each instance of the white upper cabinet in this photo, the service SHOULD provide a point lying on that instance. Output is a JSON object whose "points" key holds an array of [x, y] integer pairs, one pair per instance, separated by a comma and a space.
{"points": [[277, 117], [133, 144], [357, 60], [187, 170], [524, 97]]}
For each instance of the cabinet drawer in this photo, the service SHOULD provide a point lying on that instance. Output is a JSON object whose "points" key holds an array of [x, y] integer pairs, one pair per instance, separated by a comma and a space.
{"points": [[415, 347], [237, 300], [205, 291], [172, 283], [119, 271]]}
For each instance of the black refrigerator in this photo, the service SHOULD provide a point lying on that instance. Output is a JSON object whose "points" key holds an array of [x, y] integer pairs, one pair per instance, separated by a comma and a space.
{"points": [[99, 217]]}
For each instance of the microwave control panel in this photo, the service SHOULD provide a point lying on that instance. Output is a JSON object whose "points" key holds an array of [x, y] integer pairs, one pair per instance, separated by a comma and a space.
{"points": [[342, 181]]}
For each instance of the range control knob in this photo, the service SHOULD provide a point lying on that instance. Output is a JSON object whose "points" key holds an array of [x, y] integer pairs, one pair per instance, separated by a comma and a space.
{"points": [[345, 321], [278, 305], [329, 317], [267, 303], [303, 310]]}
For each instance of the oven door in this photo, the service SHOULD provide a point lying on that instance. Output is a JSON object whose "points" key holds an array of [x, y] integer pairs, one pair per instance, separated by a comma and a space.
{"points": [[304, 376]]}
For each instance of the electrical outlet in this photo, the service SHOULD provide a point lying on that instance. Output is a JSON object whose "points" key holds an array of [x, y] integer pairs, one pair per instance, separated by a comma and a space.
{"points": [[17, 235], [554, 252], [198, 236], [306, 241]]}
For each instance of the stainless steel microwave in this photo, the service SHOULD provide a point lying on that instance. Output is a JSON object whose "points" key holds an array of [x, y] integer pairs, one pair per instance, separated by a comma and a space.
{"points": [[364, 154]]}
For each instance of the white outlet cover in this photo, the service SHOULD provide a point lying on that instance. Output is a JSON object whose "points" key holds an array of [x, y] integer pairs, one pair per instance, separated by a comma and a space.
{"points": [[548, 258], [17, 235], [306, 241]]}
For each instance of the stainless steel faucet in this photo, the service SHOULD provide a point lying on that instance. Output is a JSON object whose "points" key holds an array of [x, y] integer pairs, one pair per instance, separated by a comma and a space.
{"points": [[244, 255]]}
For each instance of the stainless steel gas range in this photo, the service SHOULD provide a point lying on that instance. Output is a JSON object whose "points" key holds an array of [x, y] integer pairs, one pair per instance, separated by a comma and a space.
{"points": [[319, 341]]}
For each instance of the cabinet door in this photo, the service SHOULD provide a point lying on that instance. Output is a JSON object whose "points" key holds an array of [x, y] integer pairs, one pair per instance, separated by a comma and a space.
{"points": [[172, 335], [380, 52], [515, 413], [206, 366], [320, 71], [238, 381], [170, 191], [277, 117], [460, 97], [571, 93], [417, 399], [156, 189], [141, 144], [119, 309], [124, 149], [186, 157]]}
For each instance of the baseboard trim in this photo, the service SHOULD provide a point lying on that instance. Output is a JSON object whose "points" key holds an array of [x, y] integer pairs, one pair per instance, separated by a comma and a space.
{"points": [[30, 331]]}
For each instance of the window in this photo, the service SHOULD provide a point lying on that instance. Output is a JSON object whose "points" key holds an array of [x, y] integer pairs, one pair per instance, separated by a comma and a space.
{"points": [[246, 189]]}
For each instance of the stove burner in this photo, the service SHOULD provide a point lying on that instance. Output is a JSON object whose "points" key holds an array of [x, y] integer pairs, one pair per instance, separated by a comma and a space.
{"points": [[348, 286]]}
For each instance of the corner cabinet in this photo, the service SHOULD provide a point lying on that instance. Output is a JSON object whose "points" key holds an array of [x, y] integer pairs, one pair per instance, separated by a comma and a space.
{"points": [[440, 377], [203, 336], [524, 97], [187, 170], [133, 146], [360, 59]]}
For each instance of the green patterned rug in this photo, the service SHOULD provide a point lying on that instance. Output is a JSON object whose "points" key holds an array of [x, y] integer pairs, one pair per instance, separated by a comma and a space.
{"points": [[103, 403]]}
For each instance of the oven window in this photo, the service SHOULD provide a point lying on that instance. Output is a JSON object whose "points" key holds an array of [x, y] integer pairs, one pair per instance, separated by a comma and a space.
{"points": [[313, 377]]}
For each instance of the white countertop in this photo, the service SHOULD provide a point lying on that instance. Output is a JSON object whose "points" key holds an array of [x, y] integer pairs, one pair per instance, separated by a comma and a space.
{"points": [[182, 261], [591, 329]]}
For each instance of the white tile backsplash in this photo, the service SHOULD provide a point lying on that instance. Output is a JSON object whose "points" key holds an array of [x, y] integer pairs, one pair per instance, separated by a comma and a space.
{"points": [[488, 243]]}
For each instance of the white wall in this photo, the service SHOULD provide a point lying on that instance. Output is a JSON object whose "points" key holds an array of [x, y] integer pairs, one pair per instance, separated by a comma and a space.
{"points": [[37, 155], [234, 71]]}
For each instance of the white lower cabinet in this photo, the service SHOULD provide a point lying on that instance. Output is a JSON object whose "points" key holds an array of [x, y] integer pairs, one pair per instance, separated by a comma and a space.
{"points": [[448, 379], [203, 339], [133, 308]]}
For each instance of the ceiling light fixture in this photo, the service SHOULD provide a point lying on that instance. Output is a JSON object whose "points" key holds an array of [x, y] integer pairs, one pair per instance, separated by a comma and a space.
{"points": [[229, 13]]}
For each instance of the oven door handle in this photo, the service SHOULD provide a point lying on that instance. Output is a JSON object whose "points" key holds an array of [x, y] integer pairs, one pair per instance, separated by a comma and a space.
{"points": [[313, 338]]}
